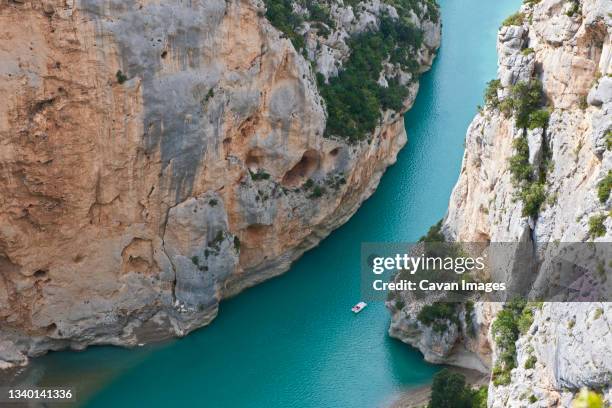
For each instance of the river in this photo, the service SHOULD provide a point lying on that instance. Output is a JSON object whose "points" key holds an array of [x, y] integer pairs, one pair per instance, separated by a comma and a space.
{"points": [[293, 341]]}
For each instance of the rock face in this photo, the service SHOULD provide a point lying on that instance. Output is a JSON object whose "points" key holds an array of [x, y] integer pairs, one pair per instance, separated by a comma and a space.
{"points": [[155, 158], [463, 343], [567, 46]]}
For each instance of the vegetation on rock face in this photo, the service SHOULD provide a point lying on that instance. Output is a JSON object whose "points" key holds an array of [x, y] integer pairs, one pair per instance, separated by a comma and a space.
{"points": [[527, 51], [449, 390], [519, 163], [434, 234], [596, 226], [524, 101], [515, 19], [532, 192], [513, 320], [538, 119], [280, 14], [604, 187], [259, 175], [354, 99], [121, 77], [490, 96], [437, 315], [530, 362], [532, 196], [588, 399]]}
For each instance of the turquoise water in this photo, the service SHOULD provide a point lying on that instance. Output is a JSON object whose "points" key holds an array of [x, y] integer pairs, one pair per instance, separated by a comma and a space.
{"points": [[293, 341]]}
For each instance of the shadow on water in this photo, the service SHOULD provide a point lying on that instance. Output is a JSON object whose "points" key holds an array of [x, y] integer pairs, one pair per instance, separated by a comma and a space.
{"points": [[292, 342]]}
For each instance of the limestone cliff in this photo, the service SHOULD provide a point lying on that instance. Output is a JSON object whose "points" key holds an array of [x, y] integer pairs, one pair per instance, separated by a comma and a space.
{"points": [[157, 157], [534, 176]]}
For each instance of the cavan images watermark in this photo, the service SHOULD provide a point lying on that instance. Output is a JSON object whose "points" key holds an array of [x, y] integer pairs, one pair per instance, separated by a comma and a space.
{"points": [[495, 272]]}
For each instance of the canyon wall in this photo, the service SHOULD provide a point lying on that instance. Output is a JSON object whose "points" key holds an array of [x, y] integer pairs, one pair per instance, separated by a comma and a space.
{"points": [[566, 47], [157, 157]]}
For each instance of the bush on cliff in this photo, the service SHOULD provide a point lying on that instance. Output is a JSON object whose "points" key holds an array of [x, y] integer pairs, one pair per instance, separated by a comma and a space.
{"points": [[513, 320], [596, 226], [438, 313], [526, 99], [538, 119], [354, 99], [490, 96], [519, 163], [449, 390], [434, 234], [604, 187], [515, 19], [532, 196]]}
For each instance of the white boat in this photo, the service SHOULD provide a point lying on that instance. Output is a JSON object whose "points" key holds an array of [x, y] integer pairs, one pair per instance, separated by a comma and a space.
{"points": [[359, 307]]}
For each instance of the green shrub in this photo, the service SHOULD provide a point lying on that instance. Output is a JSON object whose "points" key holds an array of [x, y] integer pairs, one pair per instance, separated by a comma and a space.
{"points": [[532, 197], [575, 9], [582, 102], [260, 175], [527, 51], [479, 397], [429, 314], [449, 390], [213, 202], [596, 226], [500, 376], [308, 184], [588, 399], [515, 19], [525, 320], [209, 94], [237, 243], [434, 234], [320, 13], [121, 77], [439, 327], [530, 362], [280, 14], [490, 95], [519, 163], [526, 97], [604, 187], [317, 192], [609, 139], [354, 99], [538, 119], [533, 399], [506, 330], [216, 242]]}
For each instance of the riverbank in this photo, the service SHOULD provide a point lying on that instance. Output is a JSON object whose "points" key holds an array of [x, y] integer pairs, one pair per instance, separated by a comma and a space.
{"points": [[419, 397]]}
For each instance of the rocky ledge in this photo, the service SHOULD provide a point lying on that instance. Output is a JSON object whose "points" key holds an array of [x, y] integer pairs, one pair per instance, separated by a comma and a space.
{"points": [[537, 168], [158, 157]]}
